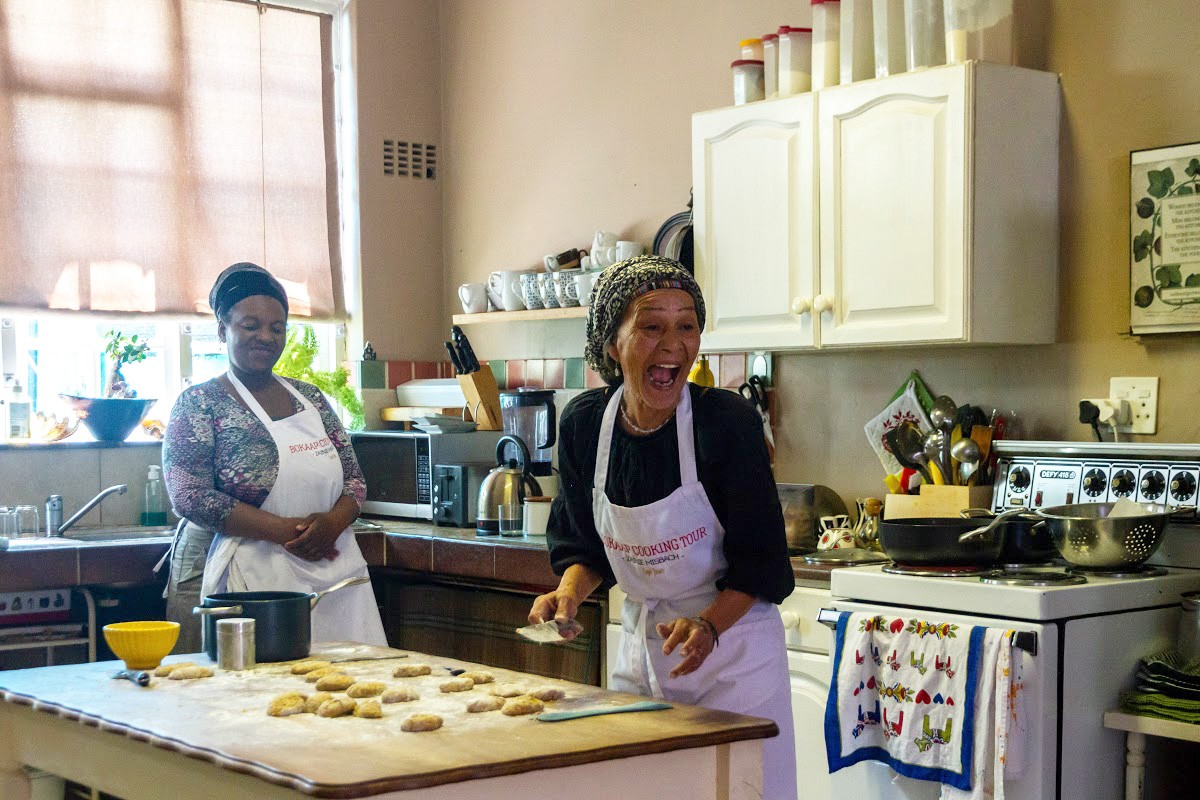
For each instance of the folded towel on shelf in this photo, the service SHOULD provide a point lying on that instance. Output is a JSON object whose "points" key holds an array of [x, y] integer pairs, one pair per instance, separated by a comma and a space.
{"points": [[1171, 674], [903, 692], [1154, 704]]}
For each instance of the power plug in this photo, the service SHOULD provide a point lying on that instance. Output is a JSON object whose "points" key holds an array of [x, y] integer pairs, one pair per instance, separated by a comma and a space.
{"points": [[1111, 411]]}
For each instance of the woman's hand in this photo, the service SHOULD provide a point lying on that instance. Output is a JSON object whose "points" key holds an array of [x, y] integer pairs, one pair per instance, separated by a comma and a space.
{"points": [[316, 535], [561, 606], [697, 643]]}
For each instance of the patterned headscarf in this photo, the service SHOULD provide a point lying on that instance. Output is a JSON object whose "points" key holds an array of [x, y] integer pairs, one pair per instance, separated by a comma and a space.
{"points": [[240, 281], [615, 289]]}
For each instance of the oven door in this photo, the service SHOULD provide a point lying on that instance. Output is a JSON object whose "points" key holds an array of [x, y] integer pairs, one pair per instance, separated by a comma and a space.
{"points": [[1036, 760]]}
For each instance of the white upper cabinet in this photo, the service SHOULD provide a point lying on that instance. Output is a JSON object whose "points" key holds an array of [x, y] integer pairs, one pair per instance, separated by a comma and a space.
{"points": [[754, 224], [937, 212]]}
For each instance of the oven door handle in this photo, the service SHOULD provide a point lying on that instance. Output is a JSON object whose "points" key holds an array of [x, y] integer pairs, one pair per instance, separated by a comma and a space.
{"points": [[1025, 640]]}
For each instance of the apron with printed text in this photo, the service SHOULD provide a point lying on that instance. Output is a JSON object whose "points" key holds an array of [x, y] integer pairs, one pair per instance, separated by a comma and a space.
{"points": [[668, 556], [310, 480]]}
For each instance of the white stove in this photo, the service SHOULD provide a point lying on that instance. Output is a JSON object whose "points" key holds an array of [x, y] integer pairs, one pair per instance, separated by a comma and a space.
{"points": [[1080, 642]]}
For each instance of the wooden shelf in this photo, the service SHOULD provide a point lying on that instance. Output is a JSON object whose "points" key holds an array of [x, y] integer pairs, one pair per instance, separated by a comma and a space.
{"points": [[537, 315]]}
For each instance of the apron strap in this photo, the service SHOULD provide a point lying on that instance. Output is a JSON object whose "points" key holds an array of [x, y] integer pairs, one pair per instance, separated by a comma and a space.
{"points": [[252, 402], [169, 556], [600, 476], [642, 634]]}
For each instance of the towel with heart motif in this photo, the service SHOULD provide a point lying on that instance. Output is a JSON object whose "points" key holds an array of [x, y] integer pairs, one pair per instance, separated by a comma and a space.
{"points": [[903, 692]]}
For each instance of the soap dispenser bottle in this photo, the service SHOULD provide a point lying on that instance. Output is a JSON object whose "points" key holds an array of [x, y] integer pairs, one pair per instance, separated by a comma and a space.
{"points": [[154, 510]]}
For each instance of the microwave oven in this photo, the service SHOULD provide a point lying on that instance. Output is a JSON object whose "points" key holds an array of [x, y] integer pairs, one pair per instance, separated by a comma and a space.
{"points": [[398, 466]]}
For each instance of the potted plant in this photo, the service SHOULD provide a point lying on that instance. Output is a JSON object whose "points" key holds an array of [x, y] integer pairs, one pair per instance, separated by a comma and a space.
{"points": [[121, 350], [296, 361], [114, 415]]}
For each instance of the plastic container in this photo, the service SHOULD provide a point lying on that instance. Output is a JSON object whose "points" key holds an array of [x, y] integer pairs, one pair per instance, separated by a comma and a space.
{"points": [[154, 507], [770, 44], [979, 30], [795, 60], [856, 47], [925, 33], [20, 410], [826, 62], [747, 81], [887, 18], [752, 49]]}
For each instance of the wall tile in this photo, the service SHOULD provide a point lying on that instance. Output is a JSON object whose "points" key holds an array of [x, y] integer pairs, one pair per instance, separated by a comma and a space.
{"points": [[30, 475], [445, 369], [516, 374], [574, 373], [424, 369], [398, 372], [593, 379], [554, 376], [127, 465], [372, 374], [733, 370], [535, 373], [500, 371]]}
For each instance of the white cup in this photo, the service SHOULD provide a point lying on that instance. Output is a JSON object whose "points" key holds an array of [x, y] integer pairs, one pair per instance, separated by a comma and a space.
{"points": [[584, 282], [585, 263], [473, 297], [626, 250], [505, 287], [537, 515], [531, 292]]}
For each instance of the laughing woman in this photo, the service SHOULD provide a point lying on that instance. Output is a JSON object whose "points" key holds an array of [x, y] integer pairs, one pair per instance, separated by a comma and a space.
{"points": [[666, 491]]}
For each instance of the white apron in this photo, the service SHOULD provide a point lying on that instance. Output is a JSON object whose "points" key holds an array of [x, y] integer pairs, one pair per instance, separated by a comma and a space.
{"points": [[668, 556], [310, 481]]}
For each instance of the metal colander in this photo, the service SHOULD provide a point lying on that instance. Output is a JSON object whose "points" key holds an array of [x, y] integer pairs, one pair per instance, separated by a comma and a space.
{"points": [[1087, 536]]}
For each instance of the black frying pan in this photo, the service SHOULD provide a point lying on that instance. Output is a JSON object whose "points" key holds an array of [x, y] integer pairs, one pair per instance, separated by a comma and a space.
{"points": [[933, 541], [1026, 539]]}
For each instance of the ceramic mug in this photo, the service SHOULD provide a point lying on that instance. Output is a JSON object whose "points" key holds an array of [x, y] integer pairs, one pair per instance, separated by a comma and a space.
{"points": [[584, 282], [546, 288], [835, 521], [531, 293], [564, 287], [505, 285], [473, 297], [837, 539], [627, 250]]}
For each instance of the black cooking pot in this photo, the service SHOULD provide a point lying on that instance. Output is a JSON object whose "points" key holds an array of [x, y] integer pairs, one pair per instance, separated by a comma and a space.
{"points": [[1027, 539], [282, 620], [934, 541]]}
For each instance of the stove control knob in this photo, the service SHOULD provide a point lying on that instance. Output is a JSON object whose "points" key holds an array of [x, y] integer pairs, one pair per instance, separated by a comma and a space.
{"points": [[1095, 482], [1018, 479], [790, 619], [1183, 486], [1153, 484], [1123, 483]]}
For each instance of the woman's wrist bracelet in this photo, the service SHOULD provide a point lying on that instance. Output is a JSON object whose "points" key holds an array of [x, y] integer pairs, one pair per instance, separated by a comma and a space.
{"points": [[712, 630]]}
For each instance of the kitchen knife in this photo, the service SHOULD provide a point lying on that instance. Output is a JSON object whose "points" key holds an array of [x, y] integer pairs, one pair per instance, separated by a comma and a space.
{"points": [[469, 361], [454, 359], [136, 676], [645, 705]]}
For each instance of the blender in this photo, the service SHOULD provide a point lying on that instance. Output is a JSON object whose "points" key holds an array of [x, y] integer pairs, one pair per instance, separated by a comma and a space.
{"points": [[528, 413]]}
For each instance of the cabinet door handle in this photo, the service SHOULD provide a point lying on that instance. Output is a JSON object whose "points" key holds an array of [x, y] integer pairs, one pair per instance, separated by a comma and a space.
{"points": [[801, 305], [822, 303], [790, 620]]}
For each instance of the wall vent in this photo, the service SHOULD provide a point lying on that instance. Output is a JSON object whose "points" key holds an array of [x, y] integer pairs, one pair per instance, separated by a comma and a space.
{"points": [[404, 159]]}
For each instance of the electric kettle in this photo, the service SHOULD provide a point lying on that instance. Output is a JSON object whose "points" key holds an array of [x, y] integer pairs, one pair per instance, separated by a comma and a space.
{"points": [[506, 485]]}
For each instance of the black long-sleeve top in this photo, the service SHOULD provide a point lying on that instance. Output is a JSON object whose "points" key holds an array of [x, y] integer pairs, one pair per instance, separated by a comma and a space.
{"points": [[732, 464]]}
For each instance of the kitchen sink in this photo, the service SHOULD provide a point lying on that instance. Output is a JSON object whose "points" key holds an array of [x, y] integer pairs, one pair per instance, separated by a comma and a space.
{"points": [[119, 533]]}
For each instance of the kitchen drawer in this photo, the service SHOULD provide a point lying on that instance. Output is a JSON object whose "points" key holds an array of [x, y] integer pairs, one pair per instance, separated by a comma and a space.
{"points": [[799, 612]]}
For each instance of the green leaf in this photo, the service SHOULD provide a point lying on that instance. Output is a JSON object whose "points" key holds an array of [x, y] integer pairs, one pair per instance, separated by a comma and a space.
{"points": [[1168, 276], [1145, 208], [1192, 280], [1141, 245], [1161, 182], [1193, 167], [1184, 191], [299, 351]]}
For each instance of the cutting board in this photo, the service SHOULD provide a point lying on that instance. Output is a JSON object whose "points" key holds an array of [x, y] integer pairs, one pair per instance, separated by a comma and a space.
{"points": [[223, 720]]}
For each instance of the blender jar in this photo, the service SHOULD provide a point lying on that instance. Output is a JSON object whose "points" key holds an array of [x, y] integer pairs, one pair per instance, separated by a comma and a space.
{"points": [[528, 413]]}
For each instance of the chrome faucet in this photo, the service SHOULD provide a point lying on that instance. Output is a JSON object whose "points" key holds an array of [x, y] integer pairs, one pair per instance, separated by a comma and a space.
{"points": [[54, 524]]}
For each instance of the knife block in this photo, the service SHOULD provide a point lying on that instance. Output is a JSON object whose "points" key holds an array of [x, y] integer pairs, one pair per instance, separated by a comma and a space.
{"points": [[936, 501], [483, 398]]}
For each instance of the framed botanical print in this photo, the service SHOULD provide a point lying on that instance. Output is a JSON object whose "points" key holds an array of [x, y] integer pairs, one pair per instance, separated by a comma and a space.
{"points": [[1164, 239]]}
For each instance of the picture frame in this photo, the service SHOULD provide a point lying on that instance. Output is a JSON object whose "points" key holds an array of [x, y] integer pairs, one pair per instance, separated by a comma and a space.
{"points": [[1164, 239]]}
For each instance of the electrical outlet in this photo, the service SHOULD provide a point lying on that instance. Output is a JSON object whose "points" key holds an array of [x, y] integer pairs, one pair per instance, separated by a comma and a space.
{"points": [[1142, 394]]}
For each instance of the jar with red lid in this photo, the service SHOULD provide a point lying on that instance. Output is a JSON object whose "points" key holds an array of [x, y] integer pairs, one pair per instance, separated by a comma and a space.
{"points": [[795, 60], [826, 40], [770, 44], [747, 81]]}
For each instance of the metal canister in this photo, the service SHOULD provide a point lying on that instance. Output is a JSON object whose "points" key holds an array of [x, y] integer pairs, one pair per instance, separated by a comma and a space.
{"points": [[235, 643]]}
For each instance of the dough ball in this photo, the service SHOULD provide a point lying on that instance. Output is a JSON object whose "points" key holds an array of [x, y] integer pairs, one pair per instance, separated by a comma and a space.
{"points": [[479, 677], [190, 673], [321, 672], [166, 669], [337, 707], [305, 667], [314, 701], [507, 690], [366, 689], [459, 684], [369, 709], [402, 695], [286, 704], [412, 670], [485, 704], [337, 682], [548, 693], [522, 705], [421, 722]]}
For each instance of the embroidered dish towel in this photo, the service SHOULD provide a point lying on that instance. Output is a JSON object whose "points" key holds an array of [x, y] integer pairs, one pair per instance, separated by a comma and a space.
{"points": [[903, 692]]}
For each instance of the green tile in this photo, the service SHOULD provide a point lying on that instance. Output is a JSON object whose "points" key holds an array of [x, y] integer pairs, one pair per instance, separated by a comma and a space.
{"points": [[574, 377], [500, 372], [372, 375]]}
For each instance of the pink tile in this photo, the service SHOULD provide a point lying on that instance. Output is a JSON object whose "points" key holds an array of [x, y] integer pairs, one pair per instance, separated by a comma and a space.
{"points": [[733, 370], [445, 369], [593, 380], [398, 372], [424, 369], [555, 374], [535, 373], [515, 374]]}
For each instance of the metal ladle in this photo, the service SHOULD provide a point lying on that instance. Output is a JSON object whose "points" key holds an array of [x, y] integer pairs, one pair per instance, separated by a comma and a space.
{"points": [[941, 416], [967, 453]]}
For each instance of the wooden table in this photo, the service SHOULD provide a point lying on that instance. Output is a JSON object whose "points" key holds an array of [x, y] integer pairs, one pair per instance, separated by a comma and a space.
{"points": [[212, 738], [1137, 728]]}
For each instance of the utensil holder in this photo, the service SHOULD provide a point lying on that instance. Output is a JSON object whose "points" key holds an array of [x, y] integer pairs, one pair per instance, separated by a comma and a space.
{"points": [[483, 397], [936, 501]]}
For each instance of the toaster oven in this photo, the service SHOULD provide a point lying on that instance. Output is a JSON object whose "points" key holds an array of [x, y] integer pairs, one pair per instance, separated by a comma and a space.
{"points": [[399, 466]]}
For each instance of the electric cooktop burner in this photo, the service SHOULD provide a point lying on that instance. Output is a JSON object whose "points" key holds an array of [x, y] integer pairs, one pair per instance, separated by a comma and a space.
{"points": [[932, 571], [1031, 577], [1141, 571]]}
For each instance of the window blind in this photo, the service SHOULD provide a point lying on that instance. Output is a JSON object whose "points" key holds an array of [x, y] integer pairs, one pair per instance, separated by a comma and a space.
{"points": [[149, 144]]}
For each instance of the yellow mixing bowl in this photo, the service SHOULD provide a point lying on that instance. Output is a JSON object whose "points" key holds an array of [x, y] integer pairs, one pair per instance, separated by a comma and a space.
{"points": [[141, 645]]}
